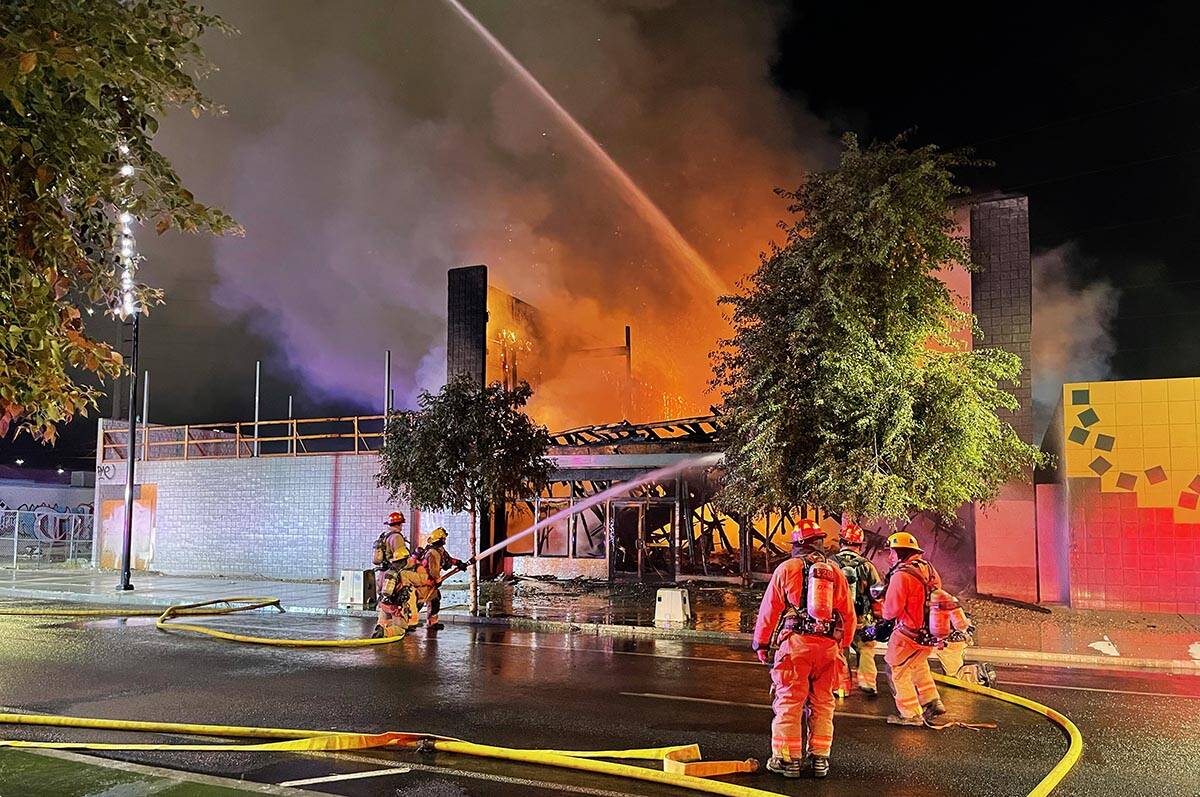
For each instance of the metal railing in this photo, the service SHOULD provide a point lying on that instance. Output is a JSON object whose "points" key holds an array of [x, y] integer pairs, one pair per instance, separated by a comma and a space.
{"points": [[293, 437], [40, 537]]}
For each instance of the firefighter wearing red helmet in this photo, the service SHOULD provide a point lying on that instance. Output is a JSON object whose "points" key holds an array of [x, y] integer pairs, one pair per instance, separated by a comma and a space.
{"points": [[806, 619], [390, 558], [909, 583], [861, 575]]}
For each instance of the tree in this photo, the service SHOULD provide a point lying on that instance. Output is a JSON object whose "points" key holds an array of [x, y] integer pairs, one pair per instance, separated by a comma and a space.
{"points": [[463, 450], [81, 86], [843, 384]]}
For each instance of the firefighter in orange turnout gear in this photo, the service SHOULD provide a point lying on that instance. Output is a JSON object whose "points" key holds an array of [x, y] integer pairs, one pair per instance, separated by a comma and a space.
{"points": [[436, 557], [910, 581], [807, 613], [861, 575]]}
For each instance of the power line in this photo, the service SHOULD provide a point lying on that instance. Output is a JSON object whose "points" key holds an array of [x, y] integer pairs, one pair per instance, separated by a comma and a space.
{"points": [[1101, 170], [1091, 114]]}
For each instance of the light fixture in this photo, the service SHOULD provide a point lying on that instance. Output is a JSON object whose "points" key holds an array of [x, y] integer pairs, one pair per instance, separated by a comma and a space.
{"points": [[61, 471], [20, 462]]}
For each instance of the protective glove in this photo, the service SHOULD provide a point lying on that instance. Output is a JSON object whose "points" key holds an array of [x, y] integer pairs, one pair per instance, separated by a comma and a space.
{"points": [[764, 655]]}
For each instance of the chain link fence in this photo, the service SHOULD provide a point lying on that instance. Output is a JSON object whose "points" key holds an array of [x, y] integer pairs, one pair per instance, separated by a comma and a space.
{"points": [[43, 537]]}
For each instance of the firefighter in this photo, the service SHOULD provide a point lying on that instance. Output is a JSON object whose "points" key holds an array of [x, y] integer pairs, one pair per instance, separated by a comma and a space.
{"points": [[434, 559], [910, 581], [398, 585], [861, 575], [392, 536], [806, 619]]}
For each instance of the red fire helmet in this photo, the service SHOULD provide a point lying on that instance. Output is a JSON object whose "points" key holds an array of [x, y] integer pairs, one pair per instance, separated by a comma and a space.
{"points": [[806, 530], [852, 534], [396, 519]]}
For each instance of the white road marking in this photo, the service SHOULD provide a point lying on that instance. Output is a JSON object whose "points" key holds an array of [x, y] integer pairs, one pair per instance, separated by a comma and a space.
{"points": [[348, 776], [753, 662], [467, 773], [687, 699], [1106, 647]]}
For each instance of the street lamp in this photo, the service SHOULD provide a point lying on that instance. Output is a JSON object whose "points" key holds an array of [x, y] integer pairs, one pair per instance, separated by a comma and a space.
{"points": [[127, 258]]}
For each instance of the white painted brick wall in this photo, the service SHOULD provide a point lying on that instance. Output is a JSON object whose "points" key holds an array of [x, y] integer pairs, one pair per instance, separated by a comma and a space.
{"points": [[279, 517]]}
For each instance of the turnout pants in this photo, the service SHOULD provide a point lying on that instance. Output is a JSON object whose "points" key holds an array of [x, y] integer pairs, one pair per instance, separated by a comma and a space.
{"points": [[431, 598], [393, 619], [805, 675], [951, 658], [912, 682], [867, 672]]}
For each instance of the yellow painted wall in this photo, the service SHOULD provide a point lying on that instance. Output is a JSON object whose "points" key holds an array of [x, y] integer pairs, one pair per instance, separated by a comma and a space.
{"points": [[1151, 423]]}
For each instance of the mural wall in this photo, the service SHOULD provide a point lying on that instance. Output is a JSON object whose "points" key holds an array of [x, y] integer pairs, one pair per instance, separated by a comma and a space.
{"points": [[1131, 463]]}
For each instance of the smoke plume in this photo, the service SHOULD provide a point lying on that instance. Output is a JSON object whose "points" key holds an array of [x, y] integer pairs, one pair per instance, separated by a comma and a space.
{"points": [[1072, 328], [370, 147]]}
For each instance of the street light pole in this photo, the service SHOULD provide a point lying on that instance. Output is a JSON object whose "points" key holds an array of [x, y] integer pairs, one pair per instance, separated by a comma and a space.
{"points": [[131, 451]]}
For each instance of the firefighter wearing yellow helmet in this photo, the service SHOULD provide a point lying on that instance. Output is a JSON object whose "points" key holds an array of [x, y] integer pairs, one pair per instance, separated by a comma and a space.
{"points": [[434, 559], [910, 582]]}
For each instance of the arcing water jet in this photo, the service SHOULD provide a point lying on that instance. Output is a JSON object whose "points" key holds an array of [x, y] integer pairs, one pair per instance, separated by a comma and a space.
{"points": [[612, 492], [629, 191]]}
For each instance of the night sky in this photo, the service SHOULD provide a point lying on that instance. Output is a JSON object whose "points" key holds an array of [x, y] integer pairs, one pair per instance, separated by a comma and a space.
{"points": [[1094, 115]]}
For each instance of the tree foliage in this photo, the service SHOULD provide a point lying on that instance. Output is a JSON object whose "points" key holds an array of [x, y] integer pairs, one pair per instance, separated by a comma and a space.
{"points": [[464, 448], [844, 386], [78, 79]]}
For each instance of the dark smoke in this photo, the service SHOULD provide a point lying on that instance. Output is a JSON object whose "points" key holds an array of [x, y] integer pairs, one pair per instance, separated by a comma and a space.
{"points": [[369, 147]]}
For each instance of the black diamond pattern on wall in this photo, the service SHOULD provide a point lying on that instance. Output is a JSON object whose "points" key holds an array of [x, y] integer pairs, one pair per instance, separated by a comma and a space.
{"points": [[1100, 466], [1079, 397], [1105, 442], [1156, 475], [1088, 417], [1126, 481], [1078, 435]]}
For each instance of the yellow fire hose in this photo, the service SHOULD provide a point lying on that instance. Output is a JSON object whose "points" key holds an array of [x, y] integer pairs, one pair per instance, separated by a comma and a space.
{"points": [[1074, 749], [211, 608], [682, 764]]}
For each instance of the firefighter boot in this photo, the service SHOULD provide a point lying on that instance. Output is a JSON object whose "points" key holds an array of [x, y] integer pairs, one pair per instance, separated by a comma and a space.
{"points": [[901, 720], [782, 766], [820, 764], [934, 708]]}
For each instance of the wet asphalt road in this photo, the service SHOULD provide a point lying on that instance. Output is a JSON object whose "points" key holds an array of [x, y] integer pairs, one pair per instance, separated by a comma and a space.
{"points": [[546, 690]]}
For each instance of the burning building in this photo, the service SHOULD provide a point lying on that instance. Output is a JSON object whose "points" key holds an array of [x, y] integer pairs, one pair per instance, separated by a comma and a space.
{"points": [[671, 531]]}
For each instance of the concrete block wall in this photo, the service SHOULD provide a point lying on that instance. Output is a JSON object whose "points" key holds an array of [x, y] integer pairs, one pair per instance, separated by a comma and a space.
{"points": [[279, 517]]}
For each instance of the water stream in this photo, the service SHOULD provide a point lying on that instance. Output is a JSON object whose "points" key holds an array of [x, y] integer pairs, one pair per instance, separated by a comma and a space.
{"points": [[615, 491], [628, 190]]}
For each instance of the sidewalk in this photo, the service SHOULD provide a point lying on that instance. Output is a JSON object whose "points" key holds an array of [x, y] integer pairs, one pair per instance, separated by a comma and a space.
{"points": [[1006, 634]]}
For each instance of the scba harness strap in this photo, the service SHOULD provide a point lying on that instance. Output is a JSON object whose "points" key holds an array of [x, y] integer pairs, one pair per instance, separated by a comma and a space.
{"points": [[923, 572], [796, 621]]}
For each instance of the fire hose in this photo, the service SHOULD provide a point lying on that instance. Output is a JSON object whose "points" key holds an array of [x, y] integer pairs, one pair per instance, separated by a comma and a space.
{"points": [[682, 764]]}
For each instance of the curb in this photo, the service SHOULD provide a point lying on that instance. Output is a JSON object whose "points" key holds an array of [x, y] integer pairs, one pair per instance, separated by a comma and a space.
{"points": [[732, 638]]}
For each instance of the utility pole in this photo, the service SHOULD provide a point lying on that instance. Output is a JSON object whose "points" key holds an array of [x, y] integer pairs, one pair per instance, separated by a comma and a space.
{"points": [[130, 455], [387, 386], [257, 376]]}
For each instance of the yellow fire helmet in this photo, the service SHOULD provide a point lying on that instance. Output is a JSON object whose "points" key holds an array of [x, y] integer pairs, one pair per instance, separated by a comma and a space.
{"points": [[902, 539], [437, 535]]}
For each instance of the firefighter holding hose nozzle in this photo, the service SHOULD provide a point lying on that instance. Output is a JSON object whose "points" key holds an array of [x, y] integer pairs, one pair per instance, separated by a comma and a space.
{"points": [[806, 619], [434, 559]]}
